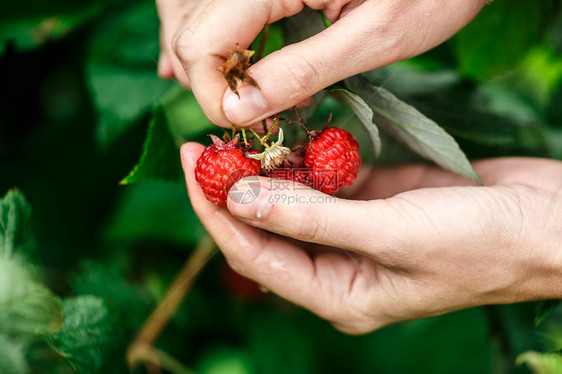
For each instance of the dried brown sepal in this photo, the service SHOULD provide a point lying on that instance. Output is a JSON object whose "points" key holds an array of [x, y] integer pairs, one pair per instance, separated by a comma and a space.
{"points": [[235, 69]]}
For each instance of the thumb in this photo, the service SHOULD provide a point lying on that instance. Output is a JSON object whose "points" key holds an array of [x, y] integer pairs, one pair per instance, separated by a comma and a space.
{"points": [[369, 36], [400, 231], [299, 212], [298, 71]]}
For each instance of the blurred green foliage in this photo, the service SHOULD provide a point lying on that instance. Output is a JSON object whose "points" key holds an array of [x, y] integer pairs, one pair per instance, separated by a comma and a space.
{"points": [[85, 260]]}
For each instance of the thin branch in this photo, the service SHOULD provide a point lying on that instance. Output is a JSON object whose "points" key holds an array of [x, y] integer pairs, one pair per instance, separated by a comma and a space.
{"points": [[161, 359], [159, 318], [301, 121], [263, 41]]}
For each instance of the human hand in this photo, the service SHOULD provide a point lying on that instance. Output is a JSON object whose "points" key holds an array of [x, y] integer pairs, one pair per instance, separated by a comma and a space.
{"points": [[197, 36], [417, 241]]}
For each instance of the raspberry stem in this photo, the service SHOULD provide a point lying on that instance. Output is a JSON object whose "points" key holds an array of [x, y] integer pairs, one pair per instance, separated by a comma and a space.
{"points": [[301, 122], [327, 122], [306, 130], [265, 139]]}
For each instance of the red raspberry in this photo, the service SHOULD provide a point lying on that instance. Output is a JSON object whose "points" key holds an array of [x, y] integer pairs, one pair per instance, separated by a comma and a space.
{"points": [[334, 159], [220, 166]]}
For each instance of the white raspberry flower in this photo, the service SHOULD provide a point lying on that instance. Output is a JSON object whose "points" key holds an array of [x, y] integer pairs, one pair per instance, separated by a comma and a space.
{"points": [[274, 154]]}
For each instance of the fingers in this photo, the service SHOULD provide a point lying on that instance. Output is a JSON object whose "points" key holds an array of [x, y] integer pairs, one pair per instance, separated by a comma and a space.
{"points": [[400, 232], [174, 14], [321, 284], [309, 215], [381, 182], [370, 35], [243, 244], [165, 68]]}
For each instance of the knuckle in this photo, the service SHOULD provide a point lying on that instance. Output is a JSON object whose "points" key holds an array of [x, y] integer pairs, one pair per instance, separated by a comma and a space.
{"points": [[349, 322], [184, 47], [286, 7], [299, 74], [506, 233], [310, 226], [246, 257]]}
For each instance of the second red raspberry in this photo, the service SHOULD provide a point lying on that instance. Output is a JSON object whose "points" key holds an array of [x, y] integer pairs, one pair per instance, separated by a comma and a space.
{"points": [[334, 159]]}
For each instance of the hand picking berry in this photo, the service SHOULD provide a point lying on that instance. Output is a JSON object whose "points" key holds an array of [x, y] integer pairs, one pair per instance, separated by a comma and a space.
{"points": [[223, 164], [333, 156]]}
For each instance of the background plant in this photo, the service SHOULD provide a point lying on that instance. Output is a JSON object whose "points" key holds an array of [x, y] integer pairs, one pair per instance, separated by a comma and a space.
{"points": [[84, 261]]}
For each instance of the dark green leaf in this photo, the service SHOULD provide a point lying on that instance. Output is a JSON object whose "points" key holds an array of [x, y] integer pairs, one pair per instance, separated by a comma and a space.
{"points": [[89, 334], [184, 116], [97, 279], [12, 356], [541, 363], [543, 308], [501, 35], [160, 159], [274, 40], [154, 211], [25, 305], [364, 114], [121, 70], [16, 235], [413, 128], [302, 25], [33, 29]]}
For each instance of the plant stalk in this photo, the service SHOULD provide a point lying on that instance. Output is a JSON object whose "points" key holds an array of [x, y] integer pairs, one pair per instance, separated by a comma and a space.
{"points": [[159, 318]]}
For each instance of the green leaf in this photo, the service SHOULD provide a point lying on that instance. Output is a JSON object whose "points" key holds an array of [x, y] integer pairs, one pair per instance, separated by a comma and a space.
{"points": [[413, 128], [302, 26], [225, 361], [26, 306], [31, 30], [543, 309], [89, 334], [121, 70], [16, 235], [12, 356], [497, 40], [160, 159], [363, 113], [152, 211], [184, 116], [541, 363], [97, 279], [176, 119], [274, 40]]}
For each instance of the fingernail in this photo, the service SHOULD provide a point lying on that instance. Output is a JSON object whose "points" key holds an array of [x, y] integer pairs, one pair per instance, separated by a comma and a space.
{"points": [[245, 109], [248, 199]]}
